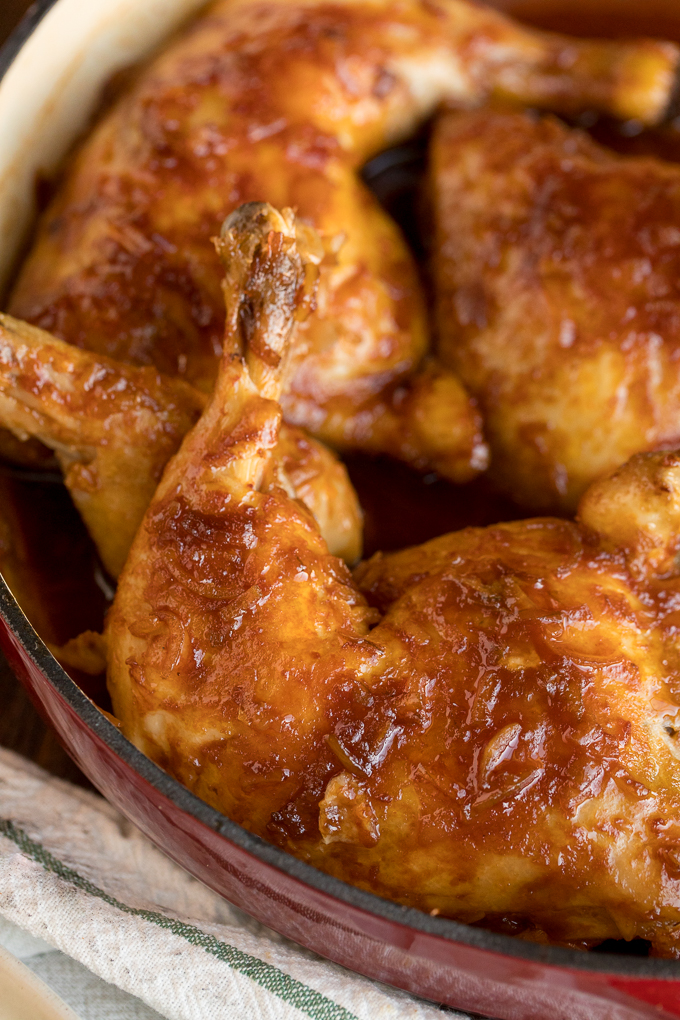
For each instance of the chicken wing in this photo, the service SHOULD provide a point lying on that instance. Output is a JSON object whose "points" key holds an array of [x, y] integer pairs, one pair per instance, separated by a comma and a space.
{"points": [[114, 427], [484, 726], [284, 102], [556, 265]]}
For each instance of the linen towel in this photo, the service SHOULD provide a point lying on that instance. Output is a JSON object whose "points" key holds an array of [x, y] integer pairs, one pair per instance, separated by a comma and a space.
{"points": [[77, 875]]}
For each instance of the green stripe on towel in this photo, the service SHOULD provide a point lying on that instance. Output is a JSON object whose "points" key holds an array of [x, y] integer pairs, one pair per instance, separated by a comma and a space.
{"points": [[276, 981]]}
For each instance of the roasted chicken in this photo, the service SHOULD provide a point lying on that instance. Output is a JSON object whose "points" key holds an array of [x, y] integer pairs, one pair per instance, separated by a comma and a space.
{"points": [[485, 726], [556, 265], [285, 101], [114, 427]]}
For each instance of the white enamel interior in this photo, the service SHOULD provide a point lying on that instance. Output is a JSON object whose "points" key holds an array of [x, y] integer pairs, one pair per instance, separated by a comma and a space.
{"points": [[53, 87]]}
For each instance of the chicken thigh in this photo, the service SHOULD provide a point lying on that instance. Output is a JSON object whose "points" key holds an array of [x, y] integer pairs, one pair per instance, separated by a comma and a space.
{"points": [[284, 102], [485, 726], [556, 265]]}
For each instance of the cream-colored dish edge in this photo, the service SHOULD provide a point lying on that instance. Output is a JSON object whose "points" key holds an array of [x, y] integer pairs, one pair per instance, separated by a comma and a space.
{"points": [[59, 75], [23, 996]]}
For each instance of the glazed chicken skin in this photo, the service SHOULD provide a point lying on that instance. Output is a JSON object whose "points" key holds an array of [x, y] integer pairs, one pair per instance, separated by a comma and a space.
{"points": [[484, 726], [285, 102], [114, 427], [556, 264]]}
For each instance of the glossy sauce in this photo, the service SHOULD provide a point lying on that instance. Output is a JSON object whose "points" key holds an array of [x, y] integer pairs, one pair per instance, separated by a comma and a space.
{"points": [[55, 563], [402, 508]]}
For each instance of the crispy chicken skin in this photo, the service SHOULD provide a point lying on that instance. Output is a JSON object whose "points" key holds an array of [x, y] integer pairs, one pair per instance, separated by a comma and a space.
{"points": [[556, 265], [284, 101], [485, 725], [114, 427]]}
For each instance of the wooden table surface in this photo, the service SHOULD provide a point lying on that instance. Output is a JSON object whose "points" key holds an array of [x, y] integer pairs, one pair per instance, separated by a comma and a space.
{"points": [[10, 13], [21, 728]]}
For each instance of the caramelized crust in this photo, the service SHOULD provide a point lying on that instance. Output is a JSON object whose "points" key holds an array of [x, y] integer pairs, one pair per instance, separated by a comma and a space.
{"points": [[280, 101], [534, 705], [485, 726], [556, 267], [308, 471], [114, 427]]}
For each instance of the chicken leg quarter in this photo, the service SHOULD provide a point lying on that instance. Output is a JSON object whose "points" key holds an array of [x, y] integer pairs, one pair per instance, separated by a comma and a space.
{"points": [[557, 264], [486, 725], [284, 101]]}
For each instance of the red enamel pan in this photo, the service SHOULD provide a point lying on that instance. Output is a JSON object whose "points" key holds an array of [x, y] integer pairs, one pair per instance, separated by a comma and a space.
{"points": [[53, 68]]}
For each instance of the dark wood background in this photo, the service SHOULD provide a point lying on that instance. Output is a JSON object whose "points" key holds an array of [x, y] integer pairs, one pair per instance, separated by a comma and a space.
{"points": [[10, 13]]}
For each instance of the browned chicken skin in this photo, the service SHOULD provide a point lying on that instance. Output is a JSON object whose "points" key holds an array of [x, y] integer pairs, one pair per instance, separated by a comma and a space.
{"points": [[485, 725], [114, 427], [284, 101], [557, 265]]}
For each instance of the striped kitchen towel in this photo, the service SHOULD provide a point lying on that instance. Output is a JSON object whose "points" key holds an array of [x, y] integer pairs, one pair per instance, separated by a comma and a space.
{"points": [[76, 874]]}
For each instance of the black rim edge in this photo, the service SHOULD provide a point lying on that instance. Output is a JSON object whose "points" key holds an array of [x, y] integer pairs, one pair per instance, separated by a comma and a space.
{"points": [[33, 16], [408, 917]]}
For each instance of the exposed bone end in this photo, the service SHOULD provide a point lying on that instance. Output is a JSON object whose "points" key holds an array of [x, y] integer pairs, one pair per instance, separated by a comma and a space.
{"points": [[252, 221], [647, 82], [271, 270]]}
